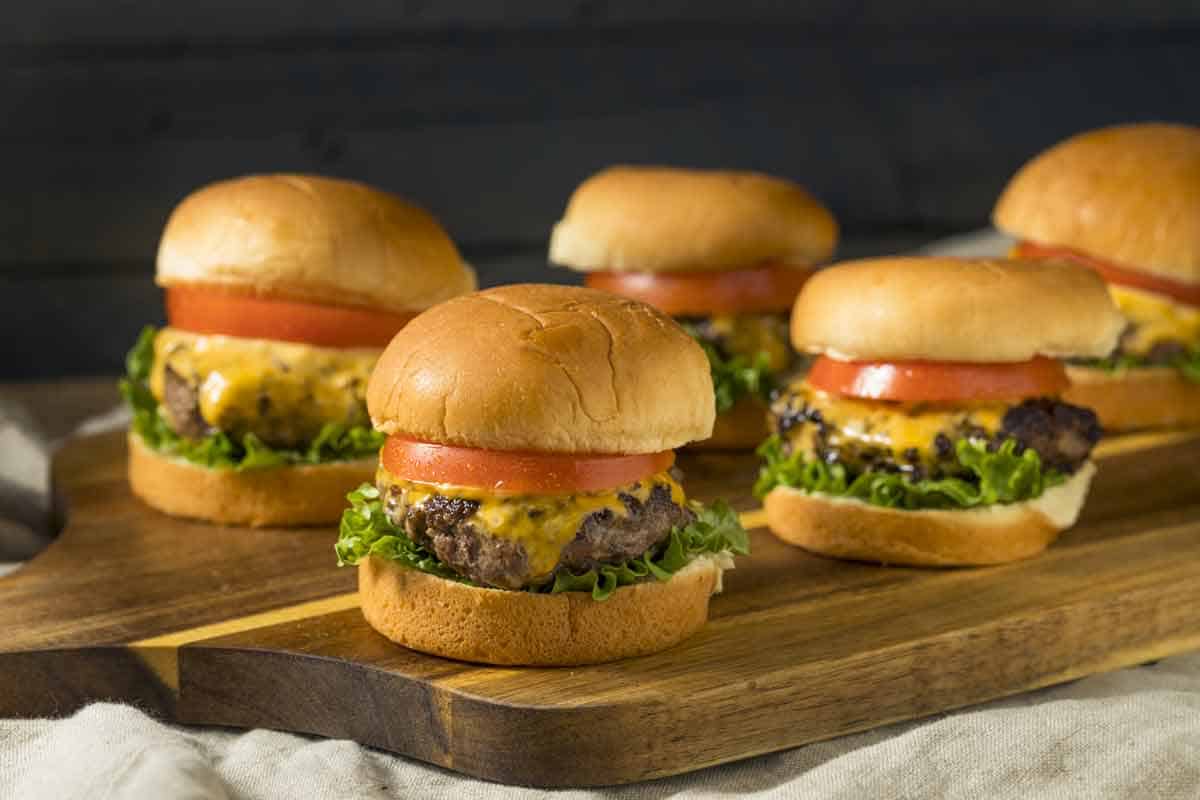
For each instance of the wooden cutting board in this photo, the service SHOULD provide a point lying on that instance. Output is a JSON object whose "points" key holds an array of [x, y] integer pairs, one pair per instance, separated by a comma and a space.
{"points": [[258, 628]]}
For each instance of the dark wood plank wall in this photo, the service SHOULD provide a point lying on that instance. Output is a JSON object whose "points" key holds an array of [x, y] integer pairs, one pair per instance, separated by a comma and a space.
{"points": [[906, 123]]}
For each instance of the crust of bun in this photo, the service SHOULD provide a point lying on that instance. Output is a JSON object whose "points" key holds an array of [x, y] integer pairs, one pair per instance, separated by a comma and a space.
{"points": [[285, 497], [663, 219], [1129, 194], [1136, 399], [854, 530], [302, 237], [742, 427], [955, 309], [546, 368], [495, 626]]}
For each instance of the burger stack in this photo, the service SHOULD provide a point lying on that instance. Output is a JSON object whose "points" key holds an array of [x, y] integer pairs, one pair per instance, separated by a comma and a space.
{"points": [[502, 462]]}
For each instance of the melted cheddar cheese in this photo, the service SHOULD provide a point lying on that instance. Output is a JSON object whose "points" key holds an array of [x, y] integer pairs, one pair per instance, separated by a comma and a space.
{"points": [[750, 334], [872, 426], [543, 524], [280, 391], [1155, 318]]}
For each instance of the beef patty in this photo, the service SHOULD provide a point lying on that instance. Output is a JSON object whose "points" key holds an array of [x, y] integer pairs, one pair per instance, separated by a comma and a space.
{"points": [[1062, 434], [182, 405], [443, 524], [277, 426]]}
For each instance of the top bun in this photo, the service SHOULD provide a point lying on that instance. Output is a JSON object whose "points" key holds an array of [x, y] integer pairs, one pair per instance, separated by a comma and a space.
{"points": [[301, 237], [660, 219], [545, 368], [1128, 194], [951, 309]]}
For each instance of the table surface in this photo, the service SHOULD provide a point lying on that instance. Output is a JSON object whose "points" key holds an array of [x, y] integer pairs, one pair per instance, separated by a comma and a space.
{"points": [[1090, 724]]}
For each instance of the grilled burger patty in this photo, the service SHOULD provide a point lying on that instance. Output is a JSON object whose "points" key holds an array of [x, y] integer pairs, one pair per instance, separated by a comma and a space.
{"points": [[181, 402], [919, 440], [281, 392], [456, 531]]}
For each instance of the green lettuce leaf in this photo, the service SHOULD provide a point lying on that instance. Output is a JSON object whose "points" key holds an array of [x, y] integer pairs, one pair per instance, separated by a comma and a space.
{"points": [[334, 442], [716, 529], [1190, 366], [1003, 476], [366, 531], [736, 376], [1187, 363]]}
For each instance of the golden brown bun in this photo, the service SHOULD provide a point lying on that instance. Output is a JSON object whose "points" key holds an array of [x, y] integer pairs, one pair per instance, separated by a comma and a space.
{"points": [[549, 368], [662, 219], [954, 309], [1129, 194], [307, 238], [742, 427], [855, 530], [286, 496], [1157, 397], [495, 626]]}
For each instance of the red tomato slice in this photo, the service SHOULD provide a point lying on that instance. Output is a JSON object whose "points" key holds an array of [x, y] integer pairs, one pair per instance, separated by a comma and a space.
{"points": [[762, 289], [211, 310], [517, 472], [938, 381], [1122, 276]]}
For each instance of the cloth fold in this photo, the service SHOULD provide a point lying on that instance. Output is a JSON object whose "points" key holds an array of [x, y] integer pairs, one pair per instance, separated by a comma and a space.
{"points": [[26, 508]]}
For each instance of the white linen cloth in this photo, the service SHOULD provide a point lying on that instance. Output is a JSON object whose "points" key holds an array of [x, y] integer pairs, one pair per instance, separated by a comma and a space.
{"points": [[1129, 734]]}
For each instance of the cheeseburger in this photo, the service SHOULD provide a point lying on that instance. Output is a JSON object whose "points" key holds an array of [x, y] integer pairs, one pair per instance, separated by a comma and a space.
{"points": [[723, 252], [1125, 202], [281, 292], [929, 430], [525, 510]]}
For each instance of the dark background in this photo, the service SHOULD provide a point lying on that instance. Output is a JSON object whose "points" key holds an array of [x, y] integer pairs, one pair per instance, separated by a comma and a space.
{"points": [[907, 123]]}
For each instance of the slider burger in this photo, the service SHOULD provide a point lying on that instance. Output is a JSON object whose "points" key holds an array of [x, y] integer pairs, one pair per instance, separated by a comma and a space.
{"points": [[525, 510], [1125, 202], [723, 252], [281, 292], [929, 430]]}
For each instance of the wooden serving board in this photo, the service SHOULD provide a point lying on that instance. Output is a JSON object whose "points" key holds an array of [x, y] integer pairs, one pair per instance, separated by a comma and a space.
{"points": [[238, 627]]}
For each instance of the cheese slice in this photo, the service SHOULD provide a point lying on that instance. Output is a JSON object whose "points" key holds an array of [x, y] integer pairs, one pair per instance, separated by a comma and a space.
{"points": [[1156, 318], [543, 524], [879, 425], [750, 334]]}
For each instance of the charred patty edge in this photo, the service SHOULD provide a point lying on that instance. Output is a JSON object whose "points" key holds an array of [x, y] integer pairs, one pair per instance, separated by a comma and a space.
{"points": [[1062, 435], [444, 525]]}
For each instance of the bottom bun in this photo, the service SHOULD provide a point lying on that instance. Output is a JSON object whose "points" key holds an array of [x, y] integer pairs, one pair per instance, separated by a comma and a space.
{"points": [[1135, 399], [855, 530], [498, 626], [742, 427], [285, 496]]}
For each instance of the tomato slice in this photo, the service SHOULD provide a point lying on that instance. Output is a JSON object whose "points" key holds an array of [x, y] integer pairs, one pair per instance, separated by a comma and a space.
{"points": [[517, 472], [1122, 276], [938, 381], [212, 310], [763, 289]]}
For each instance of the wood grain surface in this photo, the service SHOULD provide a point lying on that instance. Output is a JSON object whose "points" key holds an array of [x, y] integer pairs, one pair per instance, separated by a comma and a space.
{"points": [[257, 628]]}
